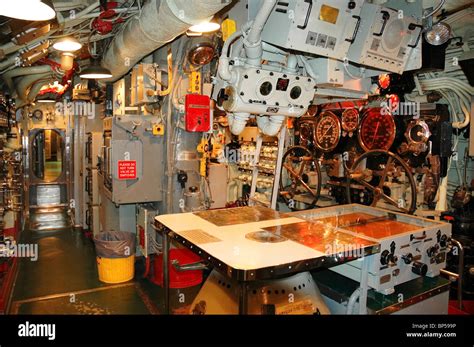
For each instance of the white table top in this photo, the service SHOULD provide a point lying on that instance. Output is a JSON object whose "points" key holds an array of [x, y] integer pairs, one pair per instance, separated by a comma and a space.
{"points": [[231, 246]]}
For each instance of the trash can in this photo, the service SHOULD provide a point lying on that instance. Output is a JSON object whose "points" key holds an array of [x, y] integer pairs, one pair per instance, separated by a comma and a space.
{"points": [[115, 256], [184, 285]]}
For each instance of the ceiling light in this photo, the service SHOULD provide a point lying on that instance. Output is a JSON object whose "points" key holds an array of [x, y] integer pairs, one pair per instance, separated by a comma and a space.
{"points": [[34, 10], [67, 61], [438, 34], [95, 72], [46, 100], [67, 44], [205, 27]]}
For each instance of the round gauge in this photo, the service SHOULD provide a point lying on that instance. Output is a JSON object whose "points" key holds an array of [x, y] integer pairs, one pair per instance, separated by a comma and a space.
{"points": [[350, 120], [418, 132], [377, 130], [327, 131], [38, 114]]}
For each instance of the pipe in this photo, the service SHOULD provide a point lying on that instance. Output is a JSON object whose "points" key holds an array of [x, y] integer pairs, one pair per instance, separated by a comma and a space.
{"points": [[223, 68], [8, 62], [252, 41], [23, 85], [158, 23], [352, 300], [237, 122], [35, 89], [270, 125], [436, 9], [21, 71]]}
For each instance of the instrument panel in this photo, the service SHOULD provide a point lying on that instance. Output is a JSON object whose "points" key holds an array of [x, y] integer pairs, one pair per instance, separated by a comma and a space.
{"points": [[377, 130], [327, 131]]}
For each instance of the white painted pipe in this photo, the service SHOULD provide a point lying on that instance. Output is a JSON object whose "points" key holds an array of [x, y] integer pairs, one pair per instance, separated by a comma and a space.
{"points": [[270, 125], [21, 71], [253, 43], [237, 122]]}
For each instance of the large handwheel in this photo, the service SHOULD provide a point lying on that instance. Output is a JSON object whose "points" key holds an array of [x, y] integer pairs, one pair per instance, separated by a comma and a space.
{"points": [[300, 179], [383, 179]]}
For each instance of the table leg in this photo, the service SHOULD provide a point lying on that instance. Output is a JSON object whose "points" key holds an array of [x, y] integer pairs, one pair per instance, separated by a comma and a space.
{"points": [[364, 285], [243, 299], [166, 275]]}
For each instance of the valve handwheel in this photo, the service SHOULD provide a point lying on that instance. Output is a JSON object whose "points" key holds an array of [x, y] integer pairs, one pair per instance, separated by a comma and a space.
{"points": [[382, 176], [300, 179]]}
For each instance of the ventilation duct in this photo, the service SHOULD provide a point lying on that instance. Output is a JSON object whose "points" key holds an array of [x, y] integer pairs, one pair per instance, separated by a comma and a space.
{"points": [[158, 23]]}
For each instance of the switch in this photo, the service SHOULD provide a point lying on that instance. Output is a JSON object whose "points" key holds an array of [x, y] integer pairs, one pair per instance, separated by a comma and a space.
{"points": [[182, 178]]}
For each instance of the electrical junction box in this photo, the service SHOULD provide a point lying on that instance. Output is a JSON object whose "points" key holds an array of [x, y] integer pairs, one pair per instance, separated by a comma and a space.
{"points": [[325, 28], [385, 39], [144, 78], [265, 92], [197, 113]]}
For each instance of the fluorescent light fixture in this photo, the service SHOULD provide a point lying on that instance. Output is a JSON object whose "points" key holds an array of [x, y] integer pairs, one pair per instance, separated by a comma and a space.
{"points": [[95, 72], [34, 10], [439, 34], [45, 100], [205, 27], [67, 44]]}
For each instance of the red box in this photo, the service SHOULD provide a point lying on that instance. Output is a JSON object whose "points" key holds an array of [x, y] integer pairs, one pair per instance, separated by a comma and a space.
{"points": [[198, 113]]}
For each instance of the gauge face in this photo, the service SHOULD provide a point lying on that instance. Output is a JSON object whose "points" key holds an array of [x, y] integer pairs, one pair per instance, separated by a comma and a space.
{"points": [[418, 132], [350, 120], [377, 130], [327, 132]]}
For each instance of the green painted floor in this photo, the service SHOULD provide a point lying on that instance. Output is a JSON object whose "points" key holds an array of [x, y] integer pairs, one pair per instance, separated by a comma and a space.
{"points": [[64, 279]]}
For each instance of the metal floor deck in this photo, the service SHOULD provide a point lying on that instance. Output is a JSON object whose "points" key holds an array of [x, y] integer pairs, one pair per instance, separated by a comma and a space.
{"points": [[64, 279]]}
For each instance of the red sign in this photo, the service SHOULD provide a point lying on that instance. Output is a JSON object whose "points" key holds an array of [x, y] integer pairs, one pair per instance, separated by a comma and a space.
{"points": [[127, 169]]}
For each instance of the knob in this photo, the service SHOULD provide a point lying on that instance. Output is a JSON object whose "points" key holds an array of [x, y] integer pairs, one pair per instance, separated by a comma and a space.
{"points": [[392, 258], [384, 257], [352, 5], [419, 268], [432, 250], [407, 258], [443, 241]]}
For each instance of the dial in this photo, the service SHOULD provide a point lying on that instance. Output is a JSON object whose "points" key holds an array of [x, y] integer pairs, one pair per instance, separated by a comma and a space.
{"points": [[377, 130], [350, 120], [418, 132], [327, 132]]}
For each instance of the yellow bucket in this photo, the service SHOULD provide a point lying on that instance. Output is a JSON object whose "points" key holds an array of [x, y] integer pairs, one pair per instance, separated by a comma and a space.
{"points": [[116, 270]]}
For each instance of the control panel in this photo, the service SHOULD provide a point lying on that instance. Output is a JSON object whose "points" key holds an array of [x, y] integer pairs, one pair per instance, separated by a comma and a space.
{"points": [[267, 92], [385, 38], [325, 28]]}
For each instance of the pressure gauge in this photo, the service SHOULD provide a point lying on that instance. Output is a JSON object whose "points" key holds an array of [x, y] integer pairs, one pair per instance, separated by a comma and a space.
{"points": [[327, 132], [377, 130], [417, 132], [37, 114], [350, 120]]}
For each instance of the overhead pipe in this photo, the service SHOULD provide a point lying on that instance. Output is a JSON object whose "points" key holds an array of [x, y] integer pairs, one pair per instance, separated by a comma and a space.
{"points": [[158, 23], [21, 71], [252, 41], [26, 82]]}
